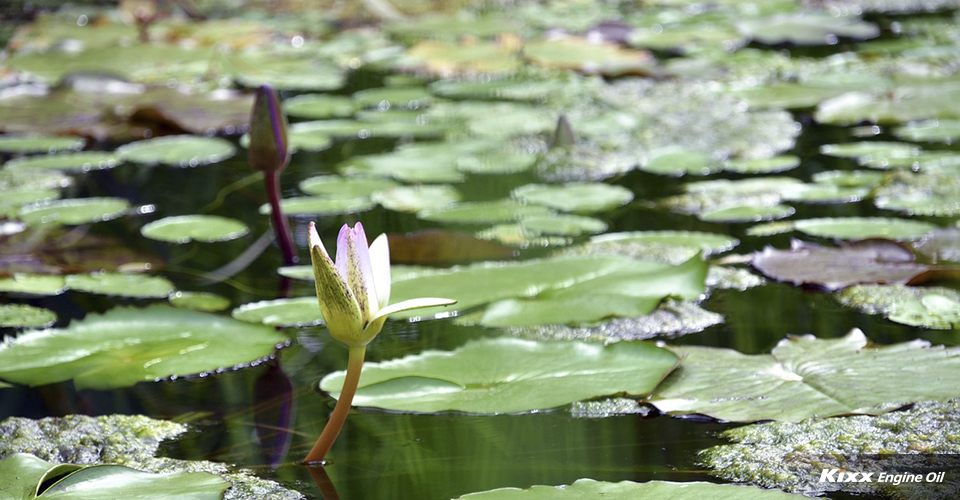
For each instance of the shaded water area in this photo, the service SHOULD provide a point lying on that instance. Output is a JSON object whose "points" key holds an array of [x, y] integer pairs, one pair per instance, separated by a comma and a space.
{"points": [[266, 417]]}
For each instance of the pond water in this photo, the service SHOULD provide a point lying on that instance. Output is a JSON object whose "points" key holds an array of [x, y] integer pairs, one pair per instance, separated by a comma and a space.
{"points": [[267, 416]]}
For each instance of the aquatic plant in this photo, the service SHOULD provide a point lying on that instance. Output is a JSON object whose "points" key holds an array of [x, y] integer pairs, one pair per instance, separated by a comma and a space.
{"points": [[354, 292]]}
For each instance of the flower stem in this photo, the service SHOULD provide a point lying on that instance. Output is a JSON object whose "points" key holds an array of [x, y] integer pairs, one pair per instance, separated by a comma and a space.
{"points": [[339, 416], [280, 226]]}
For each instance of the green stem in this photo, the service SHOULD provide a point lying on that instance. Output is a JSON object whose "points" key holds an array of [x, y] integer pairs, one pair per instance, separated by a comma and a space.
{"points": [[339, 416]]}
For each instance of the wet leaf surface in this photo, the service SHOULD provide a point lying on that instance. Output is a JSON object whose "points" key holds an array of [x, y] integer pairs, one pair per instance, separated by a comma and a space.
{"points": [[928, 307], [121, 285], [297, 312], [178, 151], [25, 316], [73, 211], [27, 144], [584, 489], [187, 228]]}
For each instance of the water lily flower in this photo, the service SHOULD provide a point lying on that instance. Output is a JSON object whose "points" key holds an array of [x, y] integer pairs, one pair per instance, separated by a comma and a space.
{"points": [[354, 292]]}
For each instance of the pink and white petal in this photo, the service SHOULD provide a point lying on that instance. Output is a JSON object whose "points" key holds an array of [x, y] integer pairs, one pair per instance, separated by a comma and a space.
{"points": [[380, 263], [360, 272], [343, 256]]}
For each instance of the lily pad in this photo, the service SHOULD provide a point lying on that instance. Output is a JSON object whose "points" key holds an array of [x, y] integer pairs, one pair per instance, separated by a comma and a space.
{"points": [[849, 178], [934, 307], [676, 161], [932, 100], [187, 228], [25, 144], [806, 28], [129, 345], [287, 72], [321, 205], [13, 200], [867, 149], [300, 311], [872, 261], [586, 489], [416, 198], [29, 478], [784, 95], [578, 197], [805, 377], [178, 151], [747, 213], [199, 301], [791, 456], [746, 199], [506, 375], [83, 161], [447, 59], [393, 98], [770, 165], [587, 56], [73, 211], [563, 225], [707, 243], [484, 212], [24, 316], [138, 286], [33, 284], [931, 193], [319, 106], [566, 289], [345, 187], [858, 228], [947, 131]]}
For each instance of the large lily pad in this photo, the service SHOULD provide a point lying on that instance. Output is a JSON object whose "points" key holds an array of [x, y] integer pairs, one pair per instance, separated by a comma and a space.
{"points": [[122, 285], [73, 211], [300, 311], [187, 228], [856, 228], [931, 193], [25, 316], [83, 161], [791, 456], [805, 376], [23, 144], [587, 56], [344, 187], [809, 28], [417, 198], [27, 477], [579, 197], [33, 284], [933, 100], [588, 489], [507, 375], [178, 151], [934, 307], [569, 289], [128, 345], [483, 212]]}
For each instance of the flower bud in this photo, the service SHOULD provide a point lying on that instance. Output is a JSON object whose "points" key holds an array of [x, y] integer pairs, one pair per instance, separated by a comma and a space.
{"points": [[268, 150]]}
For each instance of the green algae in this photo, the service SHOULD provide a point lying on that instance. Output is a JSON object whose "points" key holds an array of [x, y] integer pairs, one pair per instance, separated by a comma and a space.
{"points": [[129, 440]]}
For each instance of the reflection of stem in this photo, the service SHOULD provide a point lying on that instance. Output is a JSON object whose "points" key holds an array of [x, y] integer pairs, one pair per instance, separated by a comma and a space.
{"points": [[339, 416], [280, 226], [327, 490]]}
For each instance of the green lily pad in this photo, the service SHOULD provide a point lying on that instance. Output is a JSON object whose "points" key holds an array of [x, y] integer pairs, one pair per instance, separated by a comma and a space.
{"points": [[138, 286], [806, 28], [21, 316], [827, 193], [83, 161], [447, 59], [866, 149], [947, 131], [287, 72], [507, 375], [516, 235], [587, 489], [762, 166], [742, 197], [73, 212], [381, 124], [849, 178], [934, 307], [33, 284], [187, 228], [304, 273], [931, 193], [178, 151], [940, 245], [321, 205], [747, 213], [784, 95], [13, 200], [563, 225], [587, 56], [345, 187], [566, 289], [393, 98], [707, 243], [805, 376], [129, 345], [791, 456], [199, 301], [858, 228], [932, 100], [29, 478], [676, 161], [300, 311], [484, 212], [527, 87], [494, 119], [416, 198], [579, 197], [25, 144], [319, 106]]}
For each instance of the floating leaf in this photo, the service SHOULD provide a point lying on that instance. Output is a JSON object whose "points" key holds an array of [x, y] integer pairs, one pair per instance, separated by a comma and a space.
{"points": [[946, 131], [73, 212], [416, 198], [934, 307], [858, 228], [791, 456], [587, 56], [573, 289], [128, 345], [708, 243], [587, 489], [393, 98], [321, 205], [319, 106], [677, 161], [286, 72], [806, 28], [484, 212], [34, 284], [563, 225], [805, 377], [762, 166], [436, 247], [24, 316], [199, 301], [187, 228], [83, 161], [827, 193], [300, 311], [178, 151], [514, 234], [936, 99], [579, 197], [940, 245], [746, 199], [849, 178], [122, 285], [784, 95], [345, 187], [31, 478], [25, 144], [746, 213], [13, 200], [506, 375], [931, 193], [873, 261], [448, 59]]}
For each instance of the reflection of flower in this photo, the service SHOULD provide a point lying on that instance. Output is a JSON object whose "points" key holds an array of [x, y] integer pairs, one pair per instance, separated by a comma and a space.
{"points": [[354, 292]]}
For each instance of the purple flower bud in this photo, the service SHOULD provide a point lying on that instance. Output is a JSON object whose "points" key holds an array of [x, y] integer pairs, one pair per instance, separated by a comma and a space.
{"points": [[268, 150]]}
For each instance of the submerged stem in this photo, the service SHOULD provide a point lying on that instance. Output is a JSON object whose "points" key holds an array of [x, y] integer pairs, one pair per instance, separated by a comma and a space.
{"points": [[339, 416], [280, 226]]}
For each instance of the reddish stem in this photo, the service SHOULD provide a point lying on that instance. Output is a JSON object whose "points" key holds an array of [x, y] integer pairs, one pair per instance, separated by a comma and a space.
{"points": [[339, 415], [280, 226]]}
